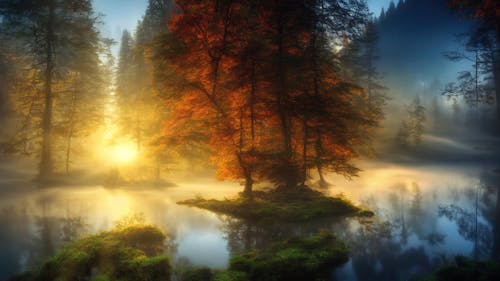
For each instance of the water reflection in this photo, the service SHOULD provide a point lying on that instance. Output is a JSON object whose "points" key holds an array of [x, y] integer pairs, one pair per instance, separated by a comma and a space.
{"points": [[424, 216]]}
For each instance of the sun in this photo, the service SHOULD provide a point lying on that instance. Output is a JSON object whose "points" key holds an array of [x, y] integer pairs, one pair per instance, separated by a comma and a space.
{"points": [[124, 153]]}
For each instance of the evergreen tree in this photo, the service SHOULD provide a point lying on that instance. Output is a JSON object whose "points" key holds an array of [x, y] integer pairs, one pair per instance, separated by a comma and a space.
{"points": [[49, 32], [412, 128]]}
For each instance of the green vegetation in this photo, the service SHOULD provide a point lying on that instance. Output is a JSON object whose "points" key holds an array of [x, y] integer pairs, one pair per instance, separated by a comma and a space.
{"points": [[299, 204], [465, 269], [135, 253], [132, 253], [296, 259]]}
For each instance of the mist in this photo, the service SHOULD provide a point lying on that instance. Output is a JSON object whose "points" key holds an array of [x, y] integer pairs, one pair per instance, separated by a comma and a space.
{"points": [[249, 140]]}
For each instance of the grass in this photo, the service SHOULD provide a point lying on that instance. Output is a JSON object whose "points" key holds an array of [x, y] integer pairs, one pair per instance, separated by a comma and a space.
{"points": [[132, 253], [300, 204]]}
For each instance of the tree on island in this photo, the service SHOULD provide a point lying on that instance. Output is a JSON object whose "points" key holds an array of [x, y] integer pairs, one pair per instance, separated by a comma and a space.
{"points": [[261, 83]]}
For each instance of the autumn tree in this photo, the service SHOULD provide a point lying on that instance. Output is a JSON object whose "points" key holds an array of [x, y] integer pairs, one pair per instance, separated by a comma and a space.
{"points": [[260, 81]]}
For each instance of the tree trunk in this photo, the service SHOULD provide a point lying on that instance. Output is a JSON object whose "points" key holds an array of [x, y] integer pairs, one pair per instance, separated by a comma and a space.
{"points": [[322, 181], [248, 191], [304, 152], [46, 165], [68, 149], [71, 128], [282, 96], [319, 166]]}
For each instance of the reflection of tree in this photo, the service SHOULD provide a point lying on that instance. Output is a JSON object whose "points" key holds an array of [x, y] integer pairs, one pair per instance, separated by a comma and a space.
{"points": [[375, 246], [410, 216], [378, 255], [490, 180], [13, 239], [244, 235], [479, 223], [470, 228], [51, 231]]}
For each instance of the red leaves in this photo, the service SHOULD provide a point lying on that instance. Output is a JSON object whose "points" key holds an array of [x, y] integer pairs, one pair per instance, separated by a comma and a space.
{"points": [[260, 82]]}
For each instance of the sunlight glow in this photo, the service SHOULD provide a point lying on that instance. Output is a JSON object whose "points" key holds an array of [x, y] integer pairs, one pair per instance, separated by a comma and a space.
{"points": [[124, 153]]}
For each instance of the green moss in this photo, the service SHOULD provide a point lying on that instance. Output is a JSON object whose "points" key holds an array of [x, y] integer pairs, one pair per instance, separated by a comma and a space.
{"points": [[295, 259], [465, 269], [198, 274], [130, 253], [300, 204], [231, 276]]}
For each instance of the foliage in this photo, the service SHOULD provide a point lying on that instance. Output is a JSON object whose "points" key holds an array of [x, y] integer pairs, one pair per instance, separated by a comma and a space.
{"points": [[256, 82], [57, 93], [484, 43], [295, 259], [474, 85], [132, 253], [465, 269], [310, 258], [298, 205]]}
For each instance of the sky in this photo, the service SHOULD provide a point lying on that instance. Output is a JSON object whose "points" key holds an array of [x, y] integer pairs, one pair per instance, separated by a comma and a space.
{"points": [[377, 5], [124, 14], [119, 15]]}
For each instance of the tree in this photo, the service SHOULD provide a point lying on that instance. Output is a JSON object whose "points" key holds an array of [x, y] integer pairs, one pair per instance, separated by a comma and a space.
{"points": [[139, 104], [259, 80], [473, 85], [485, 38], [411, 129], [48, 31], [359, 60], [81, 108], [124, 75]]}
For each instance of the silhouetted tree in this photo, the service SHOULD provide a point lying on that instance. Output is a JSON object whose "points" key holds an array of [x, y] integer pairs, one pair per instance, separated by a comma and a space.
{"points": [[412, 128], [485, 38], [49, 32]]}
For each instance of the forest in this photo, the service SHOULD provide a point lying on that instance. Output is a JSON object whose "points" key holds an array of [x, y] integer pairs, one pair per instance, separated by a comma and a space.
{"points": [[245, 140]]}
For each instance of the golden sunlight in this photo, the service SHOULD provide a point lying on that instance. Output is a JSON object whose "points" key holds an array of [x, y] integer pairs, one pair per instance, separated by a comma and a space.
{"points": [[123, 153]]}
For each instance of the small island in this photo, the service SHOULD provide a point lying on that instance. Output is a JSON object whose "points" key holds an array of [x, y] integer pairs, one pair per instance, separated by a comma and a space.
{"points": [[281, 204]]}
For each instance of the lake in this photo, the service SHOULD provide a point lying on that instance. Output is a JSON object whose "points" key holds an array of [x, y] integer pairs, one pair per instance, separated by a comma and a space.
{"points": [[425, 215]]}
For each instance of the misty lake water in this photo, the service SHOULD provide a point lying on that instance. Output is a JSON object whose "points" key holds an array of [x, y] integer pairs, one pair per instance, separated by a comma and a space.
{"points": [[424, 215]]}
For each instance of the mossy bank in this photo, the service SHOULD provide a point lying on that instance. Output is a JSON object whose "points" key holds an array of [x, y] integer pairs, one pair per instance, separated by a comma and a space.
{"points": [[136, 254], [295, 259], [300, 204], [133, 253]]}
